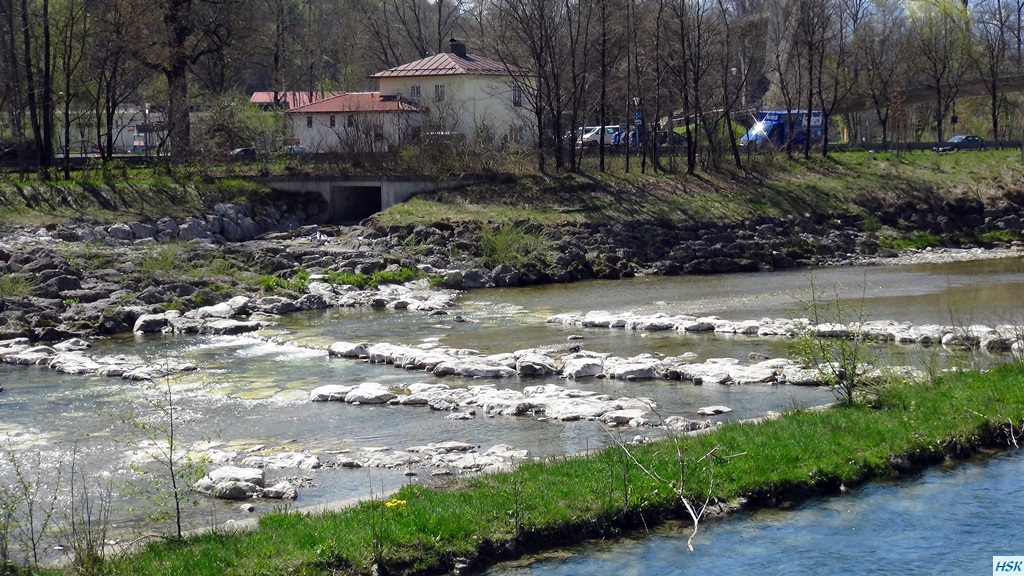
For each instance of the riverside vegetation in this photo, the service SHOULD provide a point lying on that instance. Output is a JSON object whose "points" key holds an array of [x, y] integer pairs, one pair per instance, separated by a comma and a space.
{"points": [[478, 521], [898, 428]]}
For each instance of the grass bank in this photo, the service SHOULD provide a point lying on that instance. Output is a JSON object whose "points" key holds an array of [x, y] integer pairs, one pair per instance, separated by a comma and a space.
{"points": [[854, 182], [541, 505], [769, 185]]}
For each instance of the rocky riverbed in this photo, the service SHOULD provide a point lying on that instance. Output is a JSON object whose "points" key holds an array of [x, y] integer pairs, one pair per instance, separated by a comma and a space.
{"points": [[186, 275]]}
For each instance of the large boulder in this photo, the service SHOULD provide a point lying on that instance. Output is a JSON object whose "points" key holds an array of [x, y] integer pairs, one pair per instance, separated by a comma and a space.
{"points": [[347, 349], [582, 367], [149, 323], [329, 392], [369, 393]]}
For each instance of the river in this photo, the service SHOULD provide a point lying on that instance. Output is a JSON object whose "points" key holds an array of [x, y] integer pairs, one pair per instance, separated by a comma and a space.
{"points": [[945, 521], [253, 391]]}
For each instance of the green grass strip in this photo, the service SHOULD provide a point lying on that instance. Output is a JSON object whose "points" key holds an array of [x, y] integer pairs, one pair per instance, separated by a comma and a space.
{"points": [[565, 500]]}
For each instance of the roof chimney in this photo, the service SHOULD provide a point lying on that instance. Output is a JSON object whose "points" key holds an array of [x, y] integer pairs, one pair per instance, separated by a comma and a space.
{"points": [[457, 48]]}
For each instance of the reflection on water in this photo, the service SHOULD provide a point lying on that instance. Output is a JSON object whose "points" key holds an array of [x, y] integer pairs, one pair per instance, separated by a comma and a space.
{"points": [[942, 522], [253, 390]]}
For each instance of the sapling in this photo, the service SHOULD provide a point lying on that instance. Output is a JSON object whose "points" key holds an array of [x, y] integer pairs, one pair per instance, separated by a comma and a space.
{"points": [[836, 347], [28, 503], [158, 439], [83, 534]]}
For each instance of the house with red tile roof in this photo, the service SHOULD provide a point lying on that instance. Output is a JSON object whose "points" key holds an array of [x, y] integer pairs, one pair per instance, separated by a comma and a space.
{"points": [[480, 98], [355, 122], [288, 99]]}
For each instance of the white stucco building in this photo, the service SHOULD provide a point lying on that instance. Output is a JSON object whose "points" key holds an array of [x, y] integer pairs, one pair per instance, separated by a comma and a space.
{"points": [[355, 122], [480, 98]]}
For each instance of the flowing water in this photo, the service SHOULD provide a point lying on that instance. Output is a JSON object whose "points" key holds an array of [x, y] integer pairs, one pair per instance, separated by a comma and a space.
{"points": [[945, 521], [253, 391]]}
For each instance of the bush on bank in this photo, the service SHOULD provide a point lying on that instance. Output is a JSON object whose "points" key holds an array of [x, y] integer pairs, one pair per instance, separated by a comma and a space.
{"points": [[540, 505]]}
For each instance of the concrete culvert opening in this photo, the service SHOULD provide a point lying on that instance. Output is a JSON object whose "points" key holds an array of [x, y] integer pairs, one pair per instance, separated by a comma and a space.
{"points": [[353, 203]]}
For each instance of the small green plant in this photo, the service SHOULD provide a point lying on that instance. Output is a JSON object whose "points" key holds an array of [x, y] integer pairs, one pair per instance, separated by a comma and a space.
{"points": [[870, 223], [164, 258], [915, 241], [272, 284], [12, 286], [1005, 236], [360, 280], [510, 244], [83, 533], [155, 436], [29, 493], [835, 344]]}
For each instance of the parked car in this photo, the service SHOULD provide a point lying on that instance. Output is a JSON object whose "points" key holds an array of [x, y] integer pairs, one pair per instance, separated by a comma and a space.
{"points": [[961, 142], [677, 139], [296, 150], [239, 153], [590, 136]]}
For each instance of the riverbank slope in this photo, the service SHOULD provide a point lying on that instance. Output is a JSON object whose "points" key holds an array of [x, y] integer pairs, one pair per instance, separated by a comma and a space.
{"points": [[540, 505], [89, 258]]}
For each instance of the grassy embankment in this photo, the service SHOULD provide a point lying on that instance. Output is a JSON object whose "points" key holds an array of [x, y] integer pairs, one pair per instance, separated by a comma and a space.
{"points": [[851, 182], [770, 186], [546, 504]]}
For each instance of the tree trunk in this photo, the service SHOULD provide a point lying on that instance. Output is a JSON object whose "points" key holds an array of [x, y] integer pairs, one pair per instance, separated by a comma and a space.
{"points": [[179, 128], [33, 102]]}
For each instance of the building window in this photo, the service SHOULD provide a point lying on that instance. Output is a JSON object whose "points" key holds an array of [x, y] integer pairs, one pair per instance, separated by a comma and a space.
{"points": [[351, 120], [517, 95], [333, 123], [438, 92], [309, 121], [414, 92]]}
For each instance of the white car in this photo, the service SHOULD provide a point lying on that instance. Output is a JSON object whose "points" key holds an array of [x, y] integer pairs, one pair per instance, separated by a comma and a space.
{"points": [[590, 136]]}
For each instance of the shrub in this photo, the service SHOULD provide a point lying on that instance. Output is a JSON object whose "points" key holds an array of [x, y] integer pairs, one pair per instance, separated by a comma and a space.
{"points": [[510, 244]]}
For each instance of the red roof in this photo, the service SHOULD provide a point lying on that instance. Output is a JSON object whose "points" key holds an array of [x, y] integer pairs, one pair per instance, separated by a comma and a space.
{"points": [[357, 102], [290, 99], [448, 64]]}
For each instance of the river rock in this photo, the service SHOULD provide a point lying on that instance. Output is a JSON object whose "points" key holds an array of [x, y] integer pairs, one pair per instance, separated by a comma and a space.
{"points": [[534, 364], [713, 410], [369, 393], [37, 355], [578, 366], [284, 460], [472, 368], [622, 417], [150, 323], [683, 424], [639, 367], [329, 392], [434, 449], [72, 345], [227, 489], [227, 326], [276, 305], [348, 349], [281, 491]]}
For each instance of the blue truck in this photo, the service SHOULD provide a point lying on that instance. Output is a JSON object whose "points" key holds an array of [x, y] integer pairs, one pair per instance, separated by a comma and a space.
{"points": [[773, 127]]}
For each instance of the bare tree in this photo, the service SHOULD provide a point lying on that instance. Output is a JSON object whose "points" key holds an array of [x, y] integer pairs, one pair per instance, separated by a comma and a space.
{"points": [[940, 44], [990, 54], [172, 35], [838, 73], [72, 30], [551, 39], [880, 47]]}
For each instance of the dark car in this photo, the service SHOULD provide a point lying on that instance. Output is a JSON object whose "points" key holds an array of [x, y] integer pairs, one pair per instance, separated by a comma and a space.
{"points": [[243, 153], [962, 142]]}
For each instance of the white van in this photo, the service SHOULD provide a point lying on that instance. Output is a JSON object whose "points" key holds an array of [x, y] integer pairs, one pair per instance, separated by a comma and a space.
{"points": [[590, 136]]}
